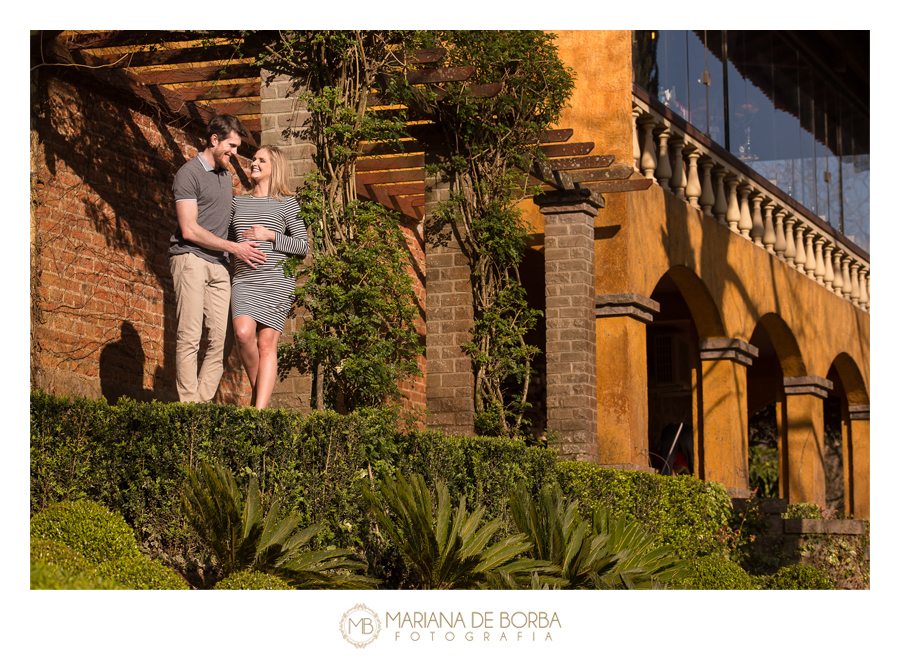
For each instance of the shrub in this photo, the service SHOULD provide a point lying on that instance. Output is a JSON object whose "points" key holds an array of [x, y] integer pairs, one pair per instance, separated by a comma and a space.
{"points": [[803, 511], [51, 576], [140, 572], [251, 580], [54, 553], [716, 572], [88, 528], [798, 576], [681, 511]]}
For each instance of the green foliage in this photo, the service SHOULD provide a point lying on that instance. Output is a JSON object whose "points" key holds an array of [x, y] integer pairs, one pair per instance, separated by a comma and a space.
{"points": [[844, 558], [490, 144], [601, 552], [140, 572], [797, 576], [681, 511], [52, 576], [252, 580], [242, 538], [716, 572], [642, 564], [96, 533], [764, 470], [803, 511], [55, 553], [361, 304], [446, 549]]}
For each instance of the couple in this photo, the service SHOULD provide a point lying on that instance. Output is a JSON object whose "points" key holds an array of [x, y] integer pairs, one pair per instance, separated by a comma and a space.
{"points": [[260, 229]]}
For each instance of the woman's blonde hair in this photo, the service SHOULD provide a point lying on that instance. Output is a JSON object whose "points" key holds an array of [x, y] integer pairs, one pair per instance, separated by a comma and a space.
{"points": [[278, 182]]}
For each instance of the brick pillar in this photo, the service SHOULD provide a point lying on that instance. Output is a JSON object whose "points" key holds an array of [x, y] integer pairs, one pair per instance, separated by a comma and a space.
{"points": [[724, 429], [621, 325], [450, 382], [571, 335], [281, 111], [856, 461], [803, 426]]}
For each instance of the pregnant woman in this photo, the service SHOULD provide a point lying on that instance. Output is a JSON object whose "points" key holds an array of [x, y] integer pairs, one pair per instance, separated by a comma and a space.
{"points": [[261, 298]]}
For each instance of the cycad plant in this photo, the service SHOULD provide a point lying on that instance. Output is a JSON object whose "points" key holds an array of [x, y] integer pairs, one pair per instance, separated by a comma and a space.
{"points": [[642, 564], [449, 549], [242, 538], [599, 553]]}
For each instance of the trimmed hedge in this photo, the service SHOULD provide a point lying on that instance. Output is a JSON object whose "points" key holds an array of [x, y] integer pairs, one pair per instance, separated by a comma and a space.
{"points": [[51, 576], [718, 573], [797, 576], [141, 573], [682, 511], [134, 457], [89, 529], [251, 580]]}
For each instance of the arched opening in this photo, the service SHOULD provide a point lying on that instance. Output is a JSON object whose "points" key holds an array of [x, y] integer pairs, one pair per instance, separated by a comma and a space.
{"points": [[778, 357], [673, 375], [846, 449]]}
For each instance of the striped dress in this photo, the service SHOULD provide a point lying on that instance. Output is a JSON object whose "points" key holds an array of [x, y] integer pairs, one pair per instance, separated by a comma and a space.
{"points": [[266, 294]]}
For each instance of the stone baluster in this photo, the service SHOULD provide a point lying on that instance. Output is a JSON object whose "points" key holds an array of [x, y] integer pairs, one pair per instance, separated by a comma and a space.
{"points": [[679, 180], [868, 290], [733, 215], [863, 293], [693, 189], [829, 270], [745, 223], [780, 241], [854, 282], [847, 290], [820, 261], [707, 195], [663, 165], [648, 157], [635, 139], [838, 283], [768, 228], [810, 265], [757, 229], [800, 258], [720, 209], [790, 251]]}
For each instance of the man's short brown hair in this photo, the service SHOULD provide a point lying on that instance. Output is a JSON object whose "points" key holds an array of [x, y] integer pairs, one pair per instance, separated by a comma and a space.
{"points": [[222, 125]]}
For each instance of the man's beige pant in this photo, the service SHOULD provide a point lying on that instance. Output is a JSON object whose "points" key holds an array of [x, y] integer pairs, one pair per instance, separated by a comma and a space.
{"points": [[202, 292]]}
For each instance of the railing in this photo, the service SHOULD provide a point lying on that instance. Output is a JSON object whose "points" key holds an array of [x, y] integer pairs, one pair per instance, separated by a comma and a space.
{"points": [[685, 162]]}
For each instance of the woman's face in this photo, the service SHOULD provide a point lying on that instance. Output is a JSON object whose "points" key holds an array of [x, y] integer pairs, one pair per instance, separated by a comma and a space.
{"points": [[261, 166]]}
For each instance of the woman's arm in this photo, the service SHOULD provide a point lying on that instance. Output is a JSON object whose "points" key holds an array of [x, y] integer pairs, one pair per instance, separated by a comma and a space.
{"points": [[295, 241]]}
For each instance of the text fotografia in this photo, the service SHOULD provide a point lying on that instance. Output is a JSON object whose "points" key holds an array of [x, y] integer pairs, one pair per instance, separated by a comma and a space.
{"points": [[478, 626]]}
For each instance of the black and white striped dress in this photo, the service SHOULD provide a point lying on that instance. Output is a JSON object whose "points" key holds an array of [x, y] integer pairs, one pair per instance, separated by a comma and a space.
{"points": [[265, 293]]}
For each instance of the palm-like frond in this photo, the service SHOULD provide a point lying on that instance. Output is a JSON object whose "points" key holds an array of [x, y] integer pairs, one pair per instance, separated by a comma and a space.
{"points": [[242, 538], [643, 565], [446, 549], [560, 536]]}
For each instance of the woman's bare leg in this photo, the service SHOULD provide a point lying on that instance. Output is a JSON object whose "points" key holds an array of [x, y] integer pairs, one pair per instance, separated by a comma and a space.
{"points": [[267, 341], [245, 337]]}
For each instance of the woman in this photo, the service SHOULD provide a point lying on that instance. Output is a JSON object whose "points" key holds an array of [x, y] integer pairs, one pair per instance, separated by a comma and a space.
{"points": [[261, 298]]}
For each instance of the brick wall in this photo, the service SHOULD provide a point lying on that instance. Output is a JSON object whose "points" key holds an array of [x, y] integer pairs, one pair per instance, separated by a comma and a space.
{"points": [[104, 214]]}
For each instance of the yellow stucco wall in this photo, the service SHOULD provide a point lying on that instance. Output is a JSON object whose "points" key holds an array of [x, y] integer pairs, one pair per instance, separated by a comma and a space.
{"points": [[730, 285]]}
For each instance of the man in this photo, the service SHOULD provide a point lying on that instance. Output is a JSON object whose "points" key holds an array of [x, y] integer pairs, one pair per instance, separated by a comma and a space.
{"points": [[198, 259]]}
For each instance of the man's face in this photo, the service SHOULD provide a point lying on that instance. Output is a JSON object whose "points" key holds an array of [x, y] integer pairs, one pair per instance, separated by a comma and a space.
{"points": [[225, 148]]}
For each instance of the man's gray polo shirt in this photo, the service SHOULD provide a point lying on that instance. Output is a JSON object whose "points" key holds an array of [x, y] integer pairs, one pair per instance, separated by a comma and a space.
{"points": [[211, 189]]}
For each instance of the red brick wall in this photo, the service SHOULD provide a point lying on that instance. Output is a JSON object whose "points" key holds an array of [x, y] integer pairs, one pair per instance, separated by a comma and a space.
{"points": [[103, 218], [104, 215]]}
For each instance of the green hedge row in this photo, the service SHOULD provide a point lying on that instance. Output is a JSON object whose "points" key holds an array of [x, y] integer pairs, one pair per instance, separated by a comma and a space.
{"points": [[682, 511], [133, 458]]}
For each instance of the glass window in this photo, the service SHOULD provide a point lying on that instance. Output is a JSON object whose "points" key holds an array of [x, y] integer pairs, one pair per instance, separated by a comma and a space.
{"points": [[771, 109]]}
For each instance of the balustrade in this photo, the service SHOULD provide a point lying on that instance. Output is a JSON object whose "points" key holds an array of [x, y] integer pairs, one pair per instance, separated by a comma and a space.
{"points": [[714, 182]]}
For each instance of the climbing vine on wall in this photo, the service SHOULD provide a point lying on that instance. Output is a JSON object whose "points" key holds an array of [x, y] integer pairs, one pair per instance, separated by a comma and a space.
{"points": [[490, 143], [360, 335]]}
